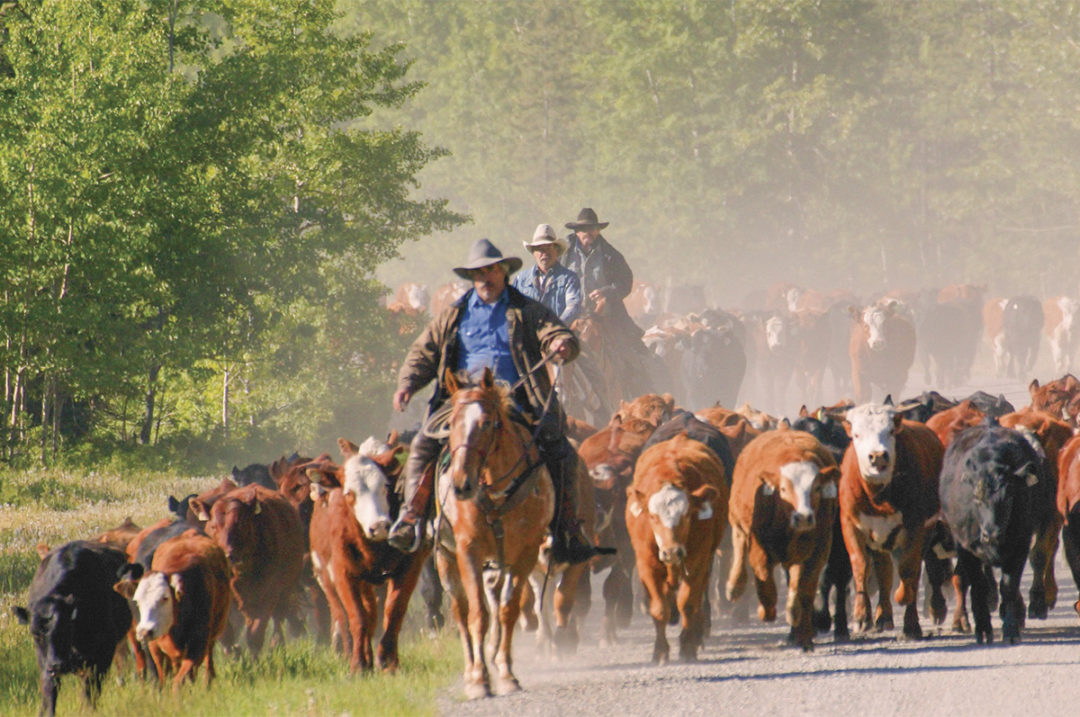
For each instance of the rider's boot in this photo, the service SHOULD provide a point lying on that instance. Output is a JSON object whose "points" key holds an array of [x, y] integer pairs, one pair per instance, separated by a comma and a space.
{"points": [[408, 530], [570, 544]]}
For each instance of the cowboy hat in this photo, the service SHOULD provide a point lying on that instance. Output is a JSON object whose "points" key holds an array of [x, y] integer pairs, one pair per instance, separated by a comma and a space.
{"points": [[586, 219], [544, 236], [484, 253]]}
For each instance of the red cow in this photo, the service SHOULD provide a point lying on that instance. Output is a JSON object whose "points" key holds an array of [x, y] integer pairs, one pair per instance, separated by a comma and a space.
{"points": [[676, 512], [183, 604], [350, 554], [263, 539], [446, 295], [1060, 397], [736, 428], [1052, 435], [411, 298], [888, 495], [882, 349], [782, 510], [120, 536], [1068, 506]]}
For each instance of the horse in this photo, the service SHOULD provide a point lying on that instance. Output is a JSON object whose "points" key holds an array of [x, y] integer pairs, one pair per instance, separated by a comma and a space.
{"points": [[495, 502]]}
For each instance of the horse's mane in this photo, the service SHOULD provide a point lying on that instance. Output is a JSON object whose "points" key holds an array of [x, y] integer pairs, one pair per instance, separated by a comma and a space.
{"points": [[499, 391]]}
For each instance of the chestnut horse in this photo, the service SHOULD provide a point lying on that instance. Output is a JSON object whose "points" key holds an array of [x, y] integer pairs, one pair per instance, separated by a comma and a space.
{"points": [[495, 503]]}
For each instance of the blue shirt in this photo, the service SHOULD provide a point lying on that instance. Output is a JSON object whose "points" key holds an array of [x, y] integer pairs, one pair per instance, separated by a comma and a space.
{"points": [[559, 290], [484, 339]]}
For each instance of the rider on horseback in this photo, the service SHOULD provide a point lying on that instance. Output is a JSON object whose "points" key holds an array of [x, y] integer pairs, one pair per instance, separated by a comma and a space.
{"points": [[492, 326]]}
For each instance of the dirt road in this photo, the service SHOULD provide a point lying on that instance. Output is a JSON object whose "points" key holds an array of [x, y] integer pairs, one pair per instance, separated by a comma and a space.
{"points": [[748, 670]]}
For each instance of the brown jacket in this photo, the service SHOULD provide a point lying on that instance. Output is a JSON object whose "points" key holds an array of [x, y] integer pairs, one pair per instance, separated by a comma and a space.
{"points": [[532, 328]]}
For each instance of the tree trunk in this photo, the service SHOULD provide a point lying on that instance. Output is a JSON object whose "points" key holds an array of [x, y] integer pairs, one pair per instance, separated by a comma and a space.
{"points": [[146, 430], [225, 401]]}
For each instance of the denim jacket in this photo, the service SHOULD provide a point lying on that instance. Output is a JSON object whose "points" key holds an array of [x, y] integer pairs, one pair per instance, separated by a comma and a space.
{"points": [[561, 294]]}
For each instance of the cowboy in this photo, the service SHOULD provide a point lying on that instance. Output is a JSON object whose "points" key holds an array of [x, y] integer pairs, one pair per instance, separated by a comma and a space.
{"points": [[548, 281], [492, 326], [606, 278]]}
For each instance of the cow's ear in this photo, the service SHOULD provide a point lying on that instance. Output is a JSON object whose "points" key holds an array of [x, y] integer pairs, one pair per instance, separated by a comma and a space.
{"points": [[126, 588], [1033, 386], [42, 550], [198, 509], [803, 412], [783, 424], [21, 614], [177, 584], [347, 448], [317, 491], [888, 400], [130, 571], [635, 499]]}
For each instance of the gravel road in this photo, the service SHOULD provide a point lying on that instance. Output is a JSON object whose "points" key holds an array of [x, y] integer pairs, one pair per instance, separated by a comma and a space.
{"points": [[748, 670]]}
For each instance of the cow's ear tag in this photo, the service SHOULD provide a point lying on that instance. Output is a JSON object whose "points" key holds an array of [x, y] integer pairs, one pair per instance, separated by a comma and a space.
{"points": [[706, 511], [635, 508], [768, 488], [829, 491], [1032, 478]]}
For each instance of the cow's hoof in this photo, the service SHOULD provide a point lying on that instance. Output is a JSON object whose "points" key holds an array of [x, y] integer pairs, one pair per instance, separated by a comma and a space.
{"points": [[476, 691], [884, 623], [506, 686], [1037, 610], [912, 633], [766, 614], [841, 634], [961, 623], [987, 634], [660, 657], [821, 620]]}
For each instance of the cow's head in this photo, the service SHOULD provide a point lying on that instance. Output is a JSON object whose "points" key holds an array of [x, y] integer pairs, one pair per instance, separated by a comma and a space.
{"points": [[776, 333], [233, 525], [156, 596], [612, 463], [364, 488], [672, 512], [803, 485], [52, 627], [873, 428], [874, 318], [997, 473]]}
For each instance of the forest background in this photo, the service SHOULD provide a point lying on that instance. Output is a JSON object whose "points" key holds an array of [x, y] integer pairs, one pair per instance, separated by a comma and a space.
{"points": [[201, 203]]}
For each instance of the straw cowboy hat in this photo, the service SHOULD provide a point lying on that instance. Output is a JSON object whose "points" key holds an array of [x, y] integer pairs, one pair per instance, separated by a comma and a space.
{"points": [[543, 236], [586, 219], [484, 253]]}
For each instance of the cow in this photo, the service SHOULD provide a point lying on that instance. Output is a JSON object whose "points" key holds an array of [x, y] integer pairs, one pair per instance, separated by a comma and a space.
{"points": [[198, 511], [830, 433], [183, 604], [1021, 326], [946, 424], [350, 555], [888, 495], [1059, 317], [76, 620], [1068, 506], [943, 334], [1051, 435], [446, 295], [782, 511], [993, 312], [712, 364], [772, 353], [676, 512], [996, 491], [410, 298], [643, 303], [736, 428], [121, 535], [1060, 397], [684, 422], [881, 349], [263, 539], [610, 456], [650, 407], [253, 473]]}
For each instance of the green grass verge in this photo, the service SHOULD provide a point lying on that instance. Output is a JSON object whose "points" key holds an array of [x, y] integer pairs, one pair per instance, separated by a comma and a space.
{"points": [[297, 678]]}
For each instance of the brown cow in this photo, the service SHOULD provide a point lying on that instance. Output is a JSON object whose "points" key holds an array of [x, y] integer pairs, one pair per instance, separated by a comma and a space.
{"points": [[263, 539], [1052, 436], [446, 295], [1068, 506], [351, 557], [183, 604], [121, 535], [946, 424], [1060, 398], [882, 349], [736, 428], [411, 298], [651, 407], [610, 456], [676, 512], [888, 494], [782, 510]]}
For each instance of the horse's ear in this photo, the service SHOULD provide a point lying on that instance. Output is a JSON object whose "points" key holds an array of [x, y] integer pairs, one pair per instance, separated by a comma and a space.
{"points": [[452, 386], [488, 381]]}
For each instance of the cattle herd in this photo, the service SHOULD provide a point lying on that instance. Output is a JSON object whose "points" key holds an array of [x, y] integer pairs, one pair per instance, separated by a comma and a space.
{"points": [[697, 502]]}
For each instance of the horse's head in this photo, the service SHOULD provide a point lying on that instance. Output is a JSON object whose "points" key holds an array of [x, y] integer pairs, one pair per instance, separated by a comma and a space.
{"points": [[478, 413]]}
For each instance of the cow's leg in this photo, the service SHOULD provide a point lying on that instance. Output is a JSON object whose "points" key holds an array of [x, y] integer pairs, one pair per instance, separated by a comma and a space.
{"points": [[938, 571], [1070, 535], [654, 581], [883, 570], [159, 663], [689, 601], [432, 592], [1012, 604], [909, 567], [736, 581], [369, 610], [398, 592], [856, 547], [566, 634], [960, 583], [972, 568], [187, 667], [50, 686], [339, 628], [764, 582], [1043, 594]]}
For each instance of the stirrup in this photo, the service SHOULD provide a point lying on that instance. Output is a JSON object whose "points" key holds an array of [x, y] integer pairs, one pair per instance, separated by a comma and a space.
{"points": [[400, 538]]}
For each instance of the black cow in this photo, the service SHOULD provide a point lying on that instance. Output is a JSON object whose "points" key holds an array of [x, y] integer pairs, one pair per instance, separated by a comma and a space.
{"points": [[990, 405], [179, 507], [996, 487], [698, 430], [256, 473], [75, 618], [831, 434], [1021, 325]]}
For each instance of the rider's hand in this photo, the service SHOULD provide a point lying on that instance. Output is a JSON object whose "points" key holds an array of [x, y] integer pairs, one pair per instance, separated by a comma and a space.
{"points": [[600, 302], [596, 294], [401, 399], [561, 348]]}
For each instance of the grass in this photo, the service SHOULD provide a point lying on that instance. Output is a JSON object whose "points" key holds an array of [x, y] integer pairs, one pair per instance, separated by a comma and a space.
{"points": [[297, 678]]}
